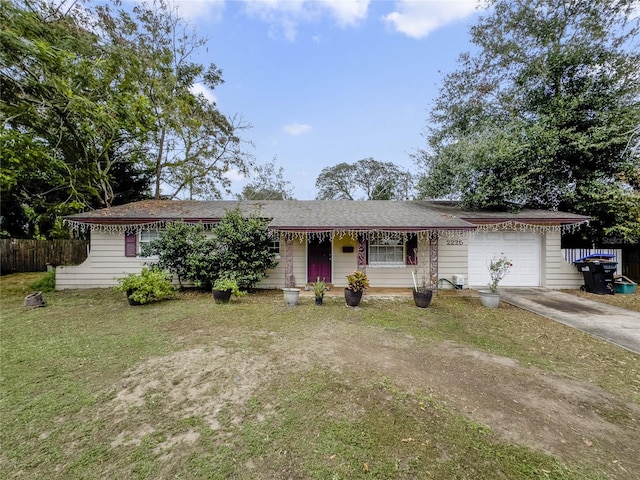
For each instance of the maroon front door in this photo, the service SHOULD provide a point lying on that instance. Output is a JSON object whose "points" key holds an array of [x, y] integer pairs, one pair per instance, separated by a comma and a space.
{"points": [[319, 261]]}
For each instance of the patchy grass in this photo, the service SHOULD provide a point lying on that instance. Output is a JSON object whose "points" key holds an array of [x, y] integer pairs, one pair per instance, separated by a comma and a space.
{"points": [[93, 388]]}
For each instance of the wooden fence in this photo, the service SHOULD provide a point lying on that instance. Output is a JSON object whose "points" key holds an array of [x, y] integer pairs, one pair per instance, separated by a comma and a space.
{"points": [[18, 255]]}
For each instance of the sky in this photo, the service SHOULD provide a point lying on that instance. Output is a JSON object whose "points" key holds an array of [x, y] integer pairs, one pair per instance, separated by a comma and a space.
{"points": [[329, 81]]}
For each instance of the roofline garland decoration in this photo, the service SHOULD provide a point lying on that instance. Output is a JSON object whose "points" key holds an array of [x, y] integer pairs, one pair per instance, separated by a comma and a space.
{"points": [[531, 227], [330, 233]]}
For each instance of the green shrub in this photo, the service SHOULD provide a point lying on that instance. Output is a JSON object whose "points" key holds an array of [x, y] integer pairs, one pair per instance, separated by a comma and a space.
{"points": [[45, 284], [150, 285]]}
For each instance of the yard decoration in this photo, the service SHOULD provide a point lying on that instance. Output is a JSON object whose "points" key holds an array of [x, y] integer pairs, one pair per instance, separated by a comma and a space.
{"points": [[34, 300], [357, 282], [498, 269], [150, 285], [319, 287]]}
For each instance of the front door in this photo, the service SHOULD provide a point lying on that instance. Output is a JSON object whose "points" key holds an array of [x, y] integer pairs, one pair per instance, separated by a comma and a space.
{"points": [[319, 261]]}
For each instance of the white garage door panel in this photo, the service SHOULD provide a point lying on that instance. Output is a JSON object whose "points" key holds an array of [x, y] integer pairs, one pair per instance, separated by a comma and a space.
{"points": [[522, 248]]}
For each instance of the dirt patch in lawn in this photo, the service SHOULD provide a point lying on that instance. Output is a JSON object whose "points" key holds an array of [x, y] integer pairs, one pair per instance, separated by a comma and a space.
{"points": [[524, 405]]}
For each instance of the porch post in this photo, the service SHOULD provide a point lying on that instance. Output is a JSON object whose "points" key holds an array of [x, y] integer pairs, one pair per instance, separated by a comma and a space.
{"points": [[289, 278], [433, 260], [362, 254]]}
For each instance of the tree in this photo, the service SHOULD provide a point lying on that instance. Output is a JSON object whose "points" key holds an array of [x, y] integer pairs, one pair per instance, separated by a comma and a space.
{"points": [[268, 184], [244, 248], [190, 144], [366, 178], [71, 114], [543, 114], [173, 247]]}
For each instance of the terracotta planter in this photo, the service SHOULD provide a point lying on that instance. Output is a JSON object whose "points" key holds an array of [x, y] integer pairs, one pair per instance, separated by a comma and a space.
{"points": [[352, 298], [422, 298], [221, 296], [489, 299]]}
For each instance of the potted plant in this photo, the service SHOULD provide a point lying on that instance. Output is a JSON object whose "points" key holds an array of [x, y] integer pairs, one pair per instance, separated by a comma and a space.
{"points": [[150, 285], [498, 269], [319, 287], [291, 295], [357, 282], [422, 294], [223, 288]]}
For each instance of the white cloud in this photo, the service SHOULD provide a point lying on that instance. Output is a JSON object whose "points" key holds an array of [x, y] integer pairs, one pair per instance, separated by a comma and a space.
{"points": [[417, 19], [200, 9], [200, 89], [285, 15], [234, 175], [347, 12], [296, 128]]}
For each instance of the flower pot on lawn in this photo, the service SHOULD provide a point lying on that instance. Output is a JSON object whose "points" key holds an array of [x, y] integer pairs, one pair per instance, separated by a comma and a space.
{"points": [[319, 300], [490, 299], [291, 296], [222, 296], [422, 298], [352, 298]]}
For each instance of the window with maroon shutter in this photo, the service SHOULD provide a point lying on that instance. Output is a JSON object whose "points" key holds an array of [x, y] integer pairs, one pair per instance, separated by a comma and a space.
{"points": [[130, 244]]}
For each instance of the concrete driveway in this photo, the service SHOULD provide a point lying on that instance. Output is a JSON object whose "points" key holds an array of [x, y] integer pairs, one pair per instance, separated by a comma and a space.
{"points": [[613, 324]]}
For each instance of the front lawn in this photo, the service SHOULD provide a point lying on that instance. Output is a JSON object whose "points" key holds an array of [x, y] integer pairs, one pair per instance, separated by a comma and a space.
{"points": [[187, 388]]}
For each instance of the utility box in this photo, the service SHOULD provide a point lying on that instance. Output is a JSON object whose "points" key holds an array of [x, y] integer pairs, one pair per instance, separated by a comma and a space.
{"points": [[458, 281]]}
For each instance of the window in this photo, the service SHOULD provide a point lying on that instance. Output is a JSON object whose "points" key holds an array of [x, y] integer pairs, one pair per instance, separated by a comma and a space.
{"points": [[275, 247], [386, 251], [146, 237]]}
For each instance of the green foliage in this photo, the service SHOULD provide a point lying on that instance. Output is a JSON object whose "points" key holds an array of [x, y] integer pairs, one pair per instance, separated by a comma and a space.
{"points": [[203, 263], [357, 281], [72, 118], [377, 180], [190, 143], [150, 285], [319, 287], [176, 242], [267, 183], [244, 248], [498, 269], [544, 115], [225, 283], [46, 284]]}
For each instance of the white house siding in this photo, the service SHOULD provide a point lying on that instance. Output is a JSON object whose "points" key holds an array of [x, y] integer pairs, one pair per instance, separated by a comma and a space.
{"points": [[276, 277], [102, 268], [453, 259], [343, 263], [557, 273]]}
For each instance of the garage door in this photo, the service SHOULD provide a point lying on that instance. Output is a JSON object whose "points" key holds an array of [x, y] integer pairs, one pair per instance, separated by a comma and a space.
{"points": [[522, 248]]}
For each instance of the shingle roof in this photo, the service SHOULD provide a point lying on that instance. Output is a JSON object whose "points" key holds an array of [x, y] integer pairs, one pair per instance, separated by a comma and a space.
{"points": [[303, 215]]}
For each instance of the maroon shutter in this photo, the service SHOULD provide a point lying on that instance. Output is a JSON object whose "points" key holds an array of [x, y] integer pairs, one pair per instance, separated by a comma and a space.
{"points": [[130, 244]]}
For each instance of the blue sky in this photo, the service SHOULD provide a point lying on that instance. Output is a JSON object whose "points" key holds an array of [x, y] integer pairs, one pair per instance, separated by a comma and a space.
{"points": [[330, 81]]}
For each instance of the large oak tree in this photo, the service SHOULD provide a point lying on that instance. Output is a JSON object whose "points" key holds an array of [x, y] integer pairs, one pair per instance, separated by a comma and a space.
{"points": [[543, 114]]}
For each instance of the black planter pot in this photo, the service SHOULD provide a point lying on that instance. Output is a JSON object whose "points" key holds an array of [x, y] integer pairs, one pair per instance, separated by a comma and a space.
{"points": [[221, 296], [132, 302], [422, 299], [352, 298], [318, 300]]}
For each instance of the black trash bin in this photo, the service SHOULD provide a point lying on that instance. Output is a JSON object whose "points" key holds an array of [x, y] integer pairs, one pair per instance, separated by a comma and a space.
{"points": [[598, 270]]}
